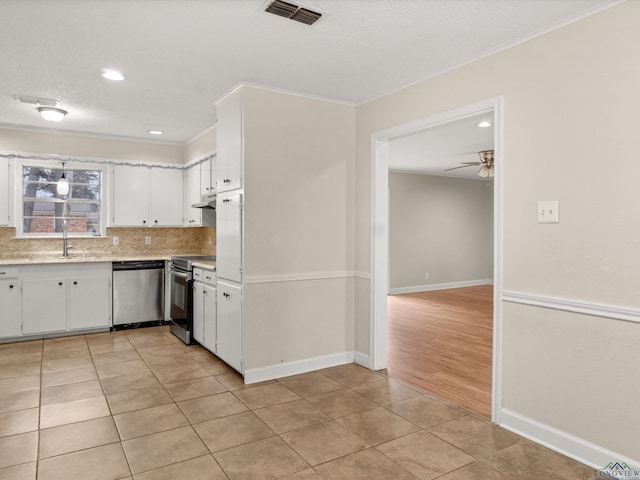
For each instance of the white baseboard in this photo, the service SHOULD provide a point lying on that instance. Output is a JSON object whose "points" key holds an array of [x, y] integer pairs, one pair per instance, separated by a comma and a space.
{"points": [[362, 359], [281, 370], [565, 443], [440, 286]]}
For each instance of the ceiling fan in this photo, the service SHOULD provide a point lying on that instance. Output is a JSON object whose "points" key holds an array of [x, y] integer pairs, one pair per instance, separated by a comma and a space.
{"points": [[486, 164]]}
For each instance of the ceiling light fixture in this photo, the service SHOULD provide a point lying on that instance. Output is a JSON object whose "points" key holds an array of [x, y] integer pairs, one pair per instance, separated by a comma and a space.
{"points": [[155, 132], [484, 124], [112, 75], [52, 114], [63, 184]]}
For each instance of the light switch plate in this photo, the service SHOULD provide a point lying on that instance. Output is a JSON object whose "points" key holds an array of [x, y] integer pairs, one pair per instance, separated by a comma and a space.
{"points": [[147, 240], [548, 211]]}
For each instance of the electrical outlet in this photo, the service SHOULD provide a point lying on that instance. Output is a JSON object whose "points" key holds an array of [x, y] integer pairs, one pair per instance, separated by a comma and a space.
{"points": [[426, 276], [116, 240], [147, 240]]}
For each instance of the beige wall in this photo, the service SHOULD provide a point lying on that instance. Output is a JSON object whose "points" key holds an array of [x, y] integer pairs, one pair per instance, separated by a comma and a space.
{"points": [[441, 226], [79, 145], [298, 159], [203, 144], [570, 134]]}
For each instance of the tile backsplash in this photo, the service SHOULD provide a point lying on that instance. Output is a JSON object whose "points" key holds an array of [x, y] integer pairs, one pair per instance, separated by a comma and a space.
{"points": [[164, 242]]}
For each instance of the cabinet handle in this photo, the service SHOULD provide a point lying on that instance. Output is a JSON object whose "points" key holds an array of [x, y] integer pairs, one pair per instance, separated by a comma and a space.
{"points": [[226, 295], [75, 283], [60, 283], [10, 286], [226, 200], [144, 222], [156, 221]]}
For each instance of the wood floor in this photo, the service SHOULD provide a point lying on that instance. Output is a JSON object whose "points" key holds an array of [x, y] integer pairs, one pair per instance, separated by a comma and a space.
{"points": [[442, 342]]}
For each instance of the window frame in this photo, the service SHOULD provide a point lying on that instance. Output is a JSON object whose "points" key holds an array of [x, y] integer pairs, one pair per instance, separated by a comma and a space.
{"points": [[57, 164]]}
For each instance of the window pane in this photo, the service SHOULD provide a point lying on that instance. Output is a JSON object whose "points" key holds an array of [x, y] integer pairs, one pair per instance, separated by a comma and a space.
{"points": [[44, 211]]}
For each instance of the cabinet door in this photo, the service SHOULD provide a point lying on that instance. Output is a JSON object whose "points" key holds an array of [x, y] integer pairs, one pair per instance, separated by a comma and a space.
{"points": [[89, 300], [198, 312], [9, 322], [166, 197], [210, 315], [229, 237], [4, 191], [229, 155], [130, 196], [44, 305], [229, 328], [192, 216], [206, 185]]}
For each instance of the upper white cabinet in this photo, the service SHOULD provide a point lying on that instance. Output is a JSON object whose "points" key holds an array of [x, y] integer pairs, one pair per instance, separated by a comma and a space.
{"points": [[147, 196], [192, 216], [4, 191], [229, 146], [165, 208], [208, 176]]}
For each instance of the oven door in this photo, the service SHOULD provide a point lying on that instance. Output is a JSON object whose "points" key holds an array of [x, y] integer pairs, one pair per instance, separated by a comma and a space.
{"points": [[181, 298]]}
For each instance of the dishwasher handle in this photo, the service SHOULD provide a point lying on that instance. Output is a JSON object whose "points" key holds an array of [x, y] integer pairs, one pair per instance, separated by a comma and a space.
{"points": [[138, 265]]}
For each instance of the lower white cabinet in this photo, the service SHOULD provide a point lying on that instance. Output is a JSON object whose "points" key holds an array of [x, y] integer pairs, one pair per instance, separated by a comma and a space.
{"points": [[230, 325], [210, 319], [44, 304], [204, 309], [9, 301], [59, 298]]}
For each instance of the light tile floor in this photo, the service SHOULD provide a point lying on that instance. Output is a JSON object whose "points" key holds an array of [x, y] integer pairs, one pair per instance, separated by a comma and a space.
{"points": [[140, 405]]}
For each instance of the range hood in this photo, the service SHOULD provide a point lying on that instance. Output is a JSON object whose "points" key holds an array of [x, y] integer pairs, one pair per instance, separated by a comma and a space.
{"points": [[208, 200]]}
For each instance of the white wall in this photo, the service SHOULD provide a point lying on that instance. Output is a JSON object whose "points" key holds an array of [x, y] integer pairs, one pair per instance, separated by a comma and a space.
{"points": [[298, 187], [441, 226], [570, 101]]}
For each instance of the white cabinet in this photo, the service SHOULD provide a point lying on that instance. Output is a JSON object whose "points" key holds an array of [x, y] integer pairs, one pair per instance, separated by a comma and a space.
{"points": [[147, 196], [192, 216], [229, 145], [198, 312], [88, 302], [210, 318], [4, 191], [165, 208], [59, 298], [204, 308], [44, 305], [9, 302], [130, 196], [229, 237], [208, 176], [229, 329]]}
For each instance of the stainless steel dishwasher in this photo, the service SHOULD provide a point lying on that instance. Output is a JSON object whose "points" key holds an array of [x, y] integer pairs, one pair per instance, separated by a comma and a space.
{"points": [[138, 292]]}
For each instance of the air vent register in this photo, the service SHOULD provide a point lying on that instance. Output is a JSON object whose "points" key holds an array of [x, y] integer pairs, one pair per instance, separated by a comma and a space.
{"points": [[293, 12]]}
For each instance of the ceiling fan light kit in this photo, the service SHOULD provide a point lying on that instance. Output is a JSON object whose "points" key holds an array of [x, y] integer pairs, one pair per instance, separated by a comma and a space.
{"points": [[486, 164]]}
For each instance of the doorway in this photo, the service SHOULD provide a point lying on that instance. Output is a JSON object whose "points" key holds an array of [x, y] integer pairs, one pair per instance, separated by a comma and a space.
{"points": [[380, 281]]}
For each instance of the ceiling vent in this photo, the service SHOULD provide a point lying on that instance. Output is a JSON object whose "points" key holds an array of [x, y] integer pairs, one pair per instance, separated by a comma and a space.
{"points": [[293, 12]]}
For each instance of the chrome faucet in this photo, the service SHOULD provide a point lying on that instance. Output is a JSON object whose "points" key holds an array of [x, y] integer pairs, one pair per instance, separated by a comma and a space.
{"points": [[65, 243]]}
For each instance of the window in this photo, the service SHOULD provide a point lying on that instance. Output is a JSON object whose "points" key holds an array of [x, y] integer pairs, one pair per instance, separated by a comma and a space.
{"points": [[44, 210]]}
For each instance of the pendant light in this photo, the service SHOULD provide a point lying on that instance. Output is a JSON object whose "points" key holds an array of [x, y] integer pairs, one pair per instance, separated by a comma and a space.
{"points": [[63, 184]]}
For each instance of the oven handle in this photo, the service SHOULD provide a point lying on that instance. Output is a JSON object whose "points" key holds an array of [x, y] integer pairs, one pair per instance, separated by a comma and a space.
{"points": [[180, 274]]}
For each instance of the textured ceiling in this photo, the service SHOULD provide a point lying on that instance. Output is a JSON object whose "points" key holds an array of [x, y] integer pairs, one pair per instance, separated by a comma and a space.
{"points": [[179, 56]]}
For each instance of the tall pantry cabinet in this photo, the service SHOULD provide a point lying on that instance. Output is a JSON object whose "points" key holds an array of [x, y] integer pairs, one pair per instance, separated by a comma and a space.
{"points": [[229, 239]]}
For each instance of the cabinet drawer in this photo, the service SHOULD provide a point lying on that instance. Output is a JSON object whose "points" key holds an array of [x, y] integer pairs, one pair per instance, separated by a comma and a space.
{"points": [[209, 277], [198, 275], [8, 272]]}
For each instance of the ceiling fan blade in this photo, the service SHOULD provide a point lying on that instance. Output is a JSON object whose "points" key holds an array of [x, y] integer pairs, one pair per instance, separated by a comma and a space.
{"points": [[455, 168]]}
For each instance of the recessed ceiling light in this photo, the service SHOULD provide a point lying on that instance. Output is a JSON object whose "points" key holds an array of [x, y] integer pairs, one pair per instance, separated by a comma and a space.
{"points": [[155, 132], [484, 124], [112, 74]]}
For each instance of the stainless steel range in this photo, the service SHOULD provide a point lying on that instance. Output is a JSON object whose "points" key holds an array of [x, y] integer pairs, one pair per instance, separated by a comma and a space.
{"points": [[181, 272]]}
